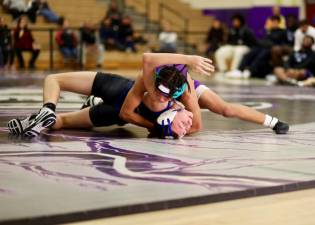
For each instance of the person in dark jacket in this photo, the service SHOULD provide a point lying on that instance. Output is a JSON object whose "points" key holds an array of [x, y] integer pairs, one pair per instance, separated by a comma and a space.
{"points": [[91, 43], [240, 40], [107, 35], [24, 41], [300, 66], [6, 45], [125, 35], [67, 41], [215, 37], [257, 62]]}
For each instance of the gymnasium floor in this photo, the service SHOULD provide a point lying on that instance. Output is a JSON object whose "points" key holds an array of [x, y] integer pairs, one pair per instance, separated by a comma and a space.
{"points": [[69, 176]]}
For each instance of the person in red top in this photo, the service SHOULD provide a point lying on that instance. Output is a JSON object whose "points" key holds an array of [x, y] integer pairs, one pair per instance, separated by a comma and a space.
{"points": [[24, 41]]}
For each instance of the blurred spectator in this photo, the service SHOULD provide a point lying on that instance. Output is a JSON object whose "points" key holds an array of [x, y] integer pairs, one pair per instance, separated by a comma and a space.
{"points": [[114, 15], [276, 11], [256, 62], [168, 40], [107, 35], [24, 41], [91, 43], [125, 35], [304, 29], [215, 37], [6, 47], [292, 26], [15, 7], [240, 39], [67, 41], [41, 7], [300, 66]]}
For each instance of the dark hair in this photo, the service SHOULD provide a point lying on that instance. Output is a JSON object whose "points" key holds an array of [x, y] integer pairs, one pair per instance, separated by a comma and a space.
{"points": [[172, 78], [275, 18], [303, 22], [239, 17]]}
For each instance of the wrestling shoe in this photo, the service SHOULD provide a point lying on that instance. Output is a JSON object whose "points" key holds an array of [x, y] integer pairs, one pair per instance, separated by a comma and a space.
{"points": [[281, 128], [17, 126], [46, 118], [91, 101]]}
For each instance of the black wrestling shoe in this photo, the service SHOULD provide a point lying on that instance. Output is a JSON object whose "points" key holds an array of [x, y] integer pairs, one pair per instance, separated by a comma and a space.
{"points": [[91, 101], [17, 126], [281, 128], [46, 118]]}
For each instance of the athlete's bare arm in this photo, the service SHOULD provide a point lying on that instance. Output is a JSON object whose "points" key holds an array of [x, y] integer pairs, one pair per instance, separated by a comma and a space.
{"points": [[132, 101], [150, 61]]}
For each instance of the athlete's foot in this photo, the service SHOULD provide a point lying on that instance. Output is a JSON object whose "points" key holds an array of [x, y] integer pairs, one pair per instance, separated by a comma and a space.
{"points": [[91, 101], [281, 128], [46, 118], [17, 126]]}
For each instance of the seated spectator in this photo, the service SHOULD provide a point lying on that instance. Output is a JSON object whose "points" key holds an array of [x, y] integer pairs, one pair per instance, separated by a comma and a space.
{"points": [[168, 40], [15, 7], [278, 52], [67, 42], [6, 46], [125, 35], [304, 29], [292, 26], [240, 40], [41, 7], [107, 35], [276, 11], [300, 66], [256, 62], [24, 41], [91, 43], [114, 15], [215, 37]]}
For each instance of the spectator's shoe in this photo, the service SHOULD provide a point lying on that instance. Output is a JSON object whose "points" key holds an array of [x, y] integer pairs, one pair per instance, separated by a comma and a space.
{"points": [[289, 82], [18, 126], [91, 101], [281, 127], [46, 118], [236, 74], [246, 74]]}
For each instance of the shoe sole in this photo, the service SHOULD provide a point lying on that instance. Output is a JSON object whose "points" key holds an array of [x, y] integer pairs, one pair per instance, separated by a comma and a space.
{"points": [[15, 126]]}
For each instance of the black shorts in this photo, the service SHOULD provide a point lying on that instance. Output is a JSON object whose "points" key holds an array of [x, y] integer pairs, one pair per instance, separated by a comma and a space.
{"points": [[113, 90]]}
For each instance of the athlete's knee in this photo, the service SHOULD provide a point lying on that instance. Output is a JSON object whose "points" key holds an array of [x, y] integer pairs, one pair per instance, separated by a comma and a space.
{"points": [[228, 111]]}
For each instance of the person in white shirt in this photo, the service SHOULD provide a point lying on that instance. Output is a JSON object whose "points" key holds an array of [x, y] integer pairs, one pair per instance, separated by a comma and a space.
{"points": [[168, 40], [304, 29]]}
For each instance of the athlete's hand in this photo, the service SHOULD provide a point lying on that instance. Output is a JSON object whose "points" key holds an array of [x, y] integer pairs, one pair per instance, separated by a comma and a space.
{"points": [[201, 65]]}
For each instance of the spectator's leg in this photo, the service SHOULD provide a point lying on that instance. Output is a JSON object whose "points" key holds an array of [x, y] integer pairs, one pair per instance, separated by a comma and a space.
{"points": [[260, 66], [222, 55], [19, 55], [280, 73], [35, 53], [277, 54], [84, 52], [49, 15], [248, 59], [100, 55], [1, 57], [238, 55]]}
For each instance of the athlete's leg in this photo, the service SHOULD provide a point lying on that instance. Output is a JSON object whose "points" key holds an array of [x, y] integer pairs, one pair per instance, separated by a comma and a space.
{"points": [[78, 82], [213, 102], [209, 100], [77, 119]]}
